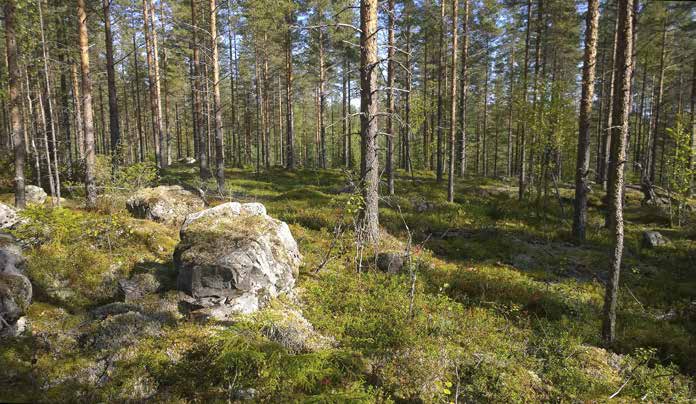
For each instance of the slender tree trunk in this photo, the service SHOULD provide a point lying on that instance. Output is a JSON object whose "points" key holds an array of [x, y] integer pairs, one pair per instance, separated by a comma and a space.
{"points": [[453, 106], [368, 119], [344, 109], [523, 126], [508, 170], [202, 138], [536, 95], [389, 164], [440, 80], [657, 108], [583, 160], [289, 130], [88, 119], [233, 95], [152, 79], [464, 89], [692, 157], [484, 146], [55, 192], [408, 166], [638, 152], [136, 90], [14, 102], [620, 110], [217, 104], [604, 168], [114, 129]]}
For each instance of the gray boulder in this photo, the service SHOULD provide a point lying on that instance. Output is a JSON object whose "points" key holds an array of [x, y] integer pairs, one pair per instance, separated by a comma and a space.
{"points": [[233, 258], [165, 204], [35, 195], [120, 330], [391, 262], [652, 239], [15, 288], [8, 216]]}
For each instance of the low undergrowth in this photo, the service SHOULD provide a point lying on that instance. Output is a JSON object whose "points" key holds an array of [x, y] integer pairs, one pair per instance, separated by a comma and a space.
{"points": [[505, 309]]}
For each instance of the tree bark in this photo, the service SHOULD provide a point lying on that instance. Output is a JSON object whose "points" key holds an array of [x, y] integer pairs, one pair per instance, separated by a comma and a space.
{"points": [[368, 119], [523, 127], [453, 106], [620, 111], [464, 89], [440, 80], [14, 103], [114, 128], [88, 118], [583, 160], [217, 104], [289, 120], [657, 108], [389, 164], [136, 90]]}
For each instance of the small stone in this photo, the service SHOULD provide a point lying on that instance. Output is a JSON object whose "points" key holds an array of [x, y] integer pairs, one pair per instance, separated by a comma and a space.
{"points": [[652, 239], [391, 262]]}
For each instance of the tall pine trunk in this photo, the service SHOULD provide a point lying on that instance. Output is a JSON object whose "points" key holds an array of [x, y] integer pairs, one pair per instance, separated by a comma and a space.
{"points": [[389, 164], [619, 133], [114, 128], [453, 106], [583, 160], [14, 103], [88, 115], [368, 118]]}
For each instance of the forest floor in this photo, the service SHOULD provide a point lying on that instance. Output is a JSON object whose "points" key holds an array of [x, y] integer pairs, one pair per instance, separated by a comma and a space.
{"points": [[506, 307]]}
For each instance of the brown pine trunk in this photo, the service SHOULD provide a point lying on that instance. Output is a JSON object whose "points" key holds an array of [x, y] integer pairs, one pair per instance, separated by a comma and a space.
{"points": [[511, 102], [289, 130], [453, 107], [604, 167], [583, 159], [217, 104], [368, 118], [619, 133], [55, 191], [114, 128], [88, 118], [136, 90], [389, 164], [79, 134], [484, 145], [464, 89], [440, 80], [692, 158], [658, 106], [202, 137], [523, 126], [14, 103]]}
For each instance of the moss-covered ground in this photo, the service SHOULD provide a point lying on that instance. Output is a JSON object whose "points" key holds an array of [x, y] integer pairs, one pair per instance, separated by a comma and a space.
{"points": [[506, 307]]}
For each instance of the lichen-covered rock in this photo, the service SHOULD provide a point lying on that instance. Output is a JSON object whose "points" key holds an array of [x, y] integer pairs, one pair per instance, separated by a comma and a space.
{"points": [[233, 258], [166, 204], [289, 328], [35, 195], [121, 330], [8, 217], [652, 239], [391, 262], [15, 288], [138, 286]]}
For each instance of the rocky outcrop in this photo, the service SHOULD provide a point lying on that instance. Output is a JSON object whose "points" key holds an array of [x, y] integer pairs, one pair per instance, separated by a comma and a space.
{"points": [[138, 286], [15, 288], [8, 217], [652, 239], [165, 204], [234, 258]]}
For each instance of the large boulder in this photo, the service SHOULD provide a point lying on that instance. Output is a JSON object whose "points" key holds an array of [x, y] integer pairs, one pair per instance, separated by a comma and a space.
{"points": [[15, 288], [166, 204], [8, 216], [34, 194], [234, 258], [652, 239]]}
